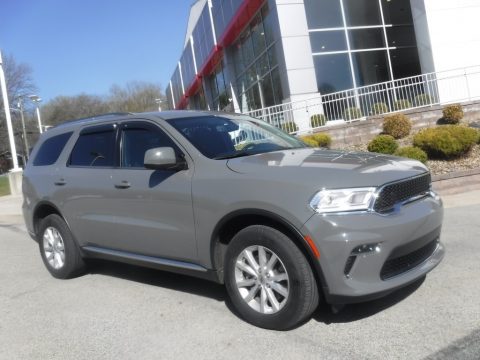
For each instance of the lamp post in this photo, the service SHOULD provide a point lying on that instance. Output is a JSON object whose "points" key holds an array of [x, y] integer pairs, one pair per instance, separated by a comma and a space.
{"points": [[24, 130], [159, 102], [37, 99], [6, 106]]}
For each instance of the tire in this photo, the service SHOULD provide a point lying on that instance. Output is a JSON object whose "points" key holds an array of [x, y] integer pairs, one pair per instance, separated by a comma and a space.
{"points": [[55, 239], [297, 296]]}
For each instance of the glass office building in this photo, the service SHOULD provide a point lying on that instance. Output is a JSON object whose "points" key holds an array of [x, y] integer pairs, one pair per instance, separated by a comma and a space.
{"points": [[243, 55]]}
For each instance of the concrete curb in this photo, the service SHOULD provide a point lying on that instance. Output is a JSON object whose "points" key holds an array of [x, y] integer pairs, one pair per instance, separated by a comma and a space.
{"points": [[457, 182]]}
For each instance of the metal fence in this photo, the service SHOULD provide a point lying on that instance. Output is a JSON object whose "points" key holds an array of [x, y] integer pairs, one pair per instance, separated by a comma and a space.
{"points": [[356, 104]]}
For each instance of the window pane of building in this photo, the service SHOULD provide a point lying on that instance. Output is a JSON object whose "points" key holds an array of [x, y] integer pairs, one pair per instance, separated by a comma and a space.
{"points": [[238, 59], [405, 62], [253, 98], [267, 90], [217, 15], [401, 36], [220, 80], [333, 73], [272, 56], [397, 12], [277, 86], [262, 65], [323, 14], [258, 35], [362, 12], [247, 49], [268, 25], [366, 38], [325, 41], [370, 67]]}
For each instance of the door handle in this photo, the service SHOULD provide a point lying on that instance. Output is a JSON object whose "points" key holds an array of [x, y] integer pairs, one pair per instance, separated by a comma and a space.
{"points": [[60, 182], [123, 185]]}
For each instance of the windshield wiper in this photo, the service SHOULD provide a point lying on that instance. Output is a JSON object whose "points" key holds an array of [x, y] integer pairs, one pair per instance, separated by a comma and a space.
{"points": [[232, 155]]}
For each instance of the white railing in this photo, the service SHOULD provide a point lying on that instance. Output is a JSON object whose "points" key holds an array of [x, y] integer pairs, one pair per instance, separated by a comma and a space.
{"points": [[444, 87]]}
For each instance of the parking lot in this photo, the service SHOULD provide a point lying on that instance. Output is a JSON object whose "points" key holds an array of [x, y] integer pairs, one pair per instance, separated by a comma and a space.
{"points": [[123, 312]]}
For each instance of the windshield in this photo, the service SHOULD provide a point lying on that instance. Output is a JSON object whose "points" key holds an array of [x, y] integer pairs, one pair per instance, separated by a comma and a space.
{"points": [[219, 137]]}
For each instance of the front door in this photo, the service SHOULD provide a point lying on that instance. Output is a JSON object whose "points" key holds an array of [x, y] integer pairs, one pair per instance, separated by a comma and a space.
{"points": [[153, 208]]}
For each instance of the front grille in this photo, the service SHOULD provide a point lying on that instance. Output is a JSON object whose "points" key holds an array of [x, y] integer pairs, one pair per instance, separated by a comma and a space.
{"points": [[399, 265], [401, 191]]}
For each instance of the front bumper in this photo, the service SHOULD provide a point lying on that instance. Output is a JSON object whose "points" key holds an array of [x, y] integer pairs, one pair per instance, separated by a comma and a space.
{"points": [[388, 251]]}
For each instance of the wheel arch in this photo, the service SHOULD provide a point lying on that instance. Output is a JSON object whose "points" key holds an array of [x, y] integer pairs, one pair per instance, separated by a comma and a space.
{"points": [[42, 210], [237, 220]]}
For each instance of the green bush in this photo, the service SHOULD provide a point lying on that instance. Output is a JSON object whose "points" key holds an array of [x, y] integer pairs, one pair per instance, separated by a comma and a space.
{"points": [[384, 144], [289, 127], [352, 113], [412, 152], [449, 141], [379, 108], [452, 114], [322, 139], [309, 141], [317, 120], [397, 125], [423, 99], [317, 140], [402, 104]]}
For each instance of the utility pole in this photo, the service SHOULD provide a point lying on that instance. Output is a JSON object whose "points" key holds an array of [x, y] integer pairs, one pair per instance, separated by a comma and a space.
{"points": [[25, 139], [6, 106]]}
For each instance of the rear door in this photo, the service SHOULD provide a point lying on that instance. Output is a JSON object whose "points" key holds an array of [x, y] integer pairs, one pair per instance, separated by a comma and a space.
{"points": [[84, 187]]}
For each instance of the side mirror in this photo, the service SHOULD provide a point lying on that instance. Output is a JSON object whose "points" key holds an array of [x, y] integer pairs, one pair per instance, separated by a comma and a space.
{"points": [[162, 158]]}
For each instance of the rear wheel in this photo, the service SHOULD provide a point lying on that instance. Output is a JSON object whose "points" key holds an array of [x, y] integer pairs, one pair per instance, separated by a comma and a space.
{"points": [[269, 280], [59, 252]]}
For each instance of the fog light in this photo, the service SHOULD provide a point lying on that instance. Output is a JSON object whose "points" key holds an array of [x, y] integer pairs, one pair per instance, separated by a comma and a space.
{"points": [[349, 264], [367, 248]]}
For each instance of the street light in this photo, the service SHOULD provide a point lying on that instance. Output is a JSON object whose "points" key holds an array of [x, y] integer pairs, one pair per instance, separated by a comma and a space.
{"points": [[25, 139], [159, 102], [6, 106], [37, 99]]}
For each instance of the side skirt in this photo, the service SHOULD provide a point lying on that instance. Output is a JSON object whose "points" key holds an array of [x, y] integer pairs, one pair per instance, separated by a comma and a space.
{"points": [[175, 266]]}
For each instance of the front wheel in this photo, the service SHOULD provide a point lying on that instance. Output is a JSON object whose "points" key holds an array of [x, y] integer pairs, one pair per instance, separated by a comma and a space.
{"points": [[269, 280]]}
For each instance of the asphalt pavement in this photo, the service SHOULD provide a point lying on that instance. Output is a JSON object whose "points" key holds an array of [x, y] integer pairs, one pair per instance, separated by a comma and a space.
{"points": [[124, 312]]}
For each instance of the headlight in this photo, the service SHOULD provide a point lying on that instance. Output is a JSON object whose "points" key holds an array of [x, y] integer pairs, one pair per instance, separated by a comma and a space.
{"points": [[339, 200]]}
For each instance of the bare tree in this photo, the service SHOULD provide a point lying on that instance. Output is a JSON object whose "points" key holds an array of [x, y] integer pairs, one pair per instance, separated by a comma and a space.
{"points": [[136, 96], [63, 108], [20, 84]]}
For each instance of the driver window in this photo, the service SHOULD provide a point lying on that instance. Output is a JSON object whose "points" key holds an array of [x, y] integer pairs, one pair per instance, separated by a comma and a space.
{"points": [[136, 141]]}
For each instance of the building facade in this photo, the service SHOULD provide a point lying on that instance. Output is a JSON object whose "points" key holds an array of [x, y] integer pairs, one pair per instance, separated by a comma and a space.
{"points": [[245, 55]]}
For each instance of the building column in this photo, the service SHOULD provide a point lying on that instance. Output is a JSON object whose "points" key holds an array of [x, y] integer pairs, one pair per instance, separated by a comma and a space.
{"points": [[298, 70]]}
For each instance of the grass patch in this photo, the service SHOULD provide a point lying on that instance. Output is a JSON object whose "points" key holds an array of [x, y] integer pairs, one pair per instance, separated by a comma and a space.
{"points": [[4, 186]]}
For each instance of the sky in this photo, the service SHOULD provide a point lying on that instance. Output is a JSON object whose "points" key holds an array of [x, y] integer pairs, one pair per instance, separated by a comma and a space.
{"points": [[86, 46]]}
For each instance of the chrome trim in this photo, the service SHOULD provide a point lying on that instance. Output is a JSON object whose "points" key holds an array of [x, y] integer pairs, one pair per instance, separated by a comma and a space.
{"points": [[396, 207]]}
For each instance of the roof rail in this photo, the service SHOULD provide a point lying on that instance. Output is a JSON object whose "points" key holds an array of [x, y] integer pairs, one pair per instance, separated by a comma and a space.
{"points": [[94, 117]]}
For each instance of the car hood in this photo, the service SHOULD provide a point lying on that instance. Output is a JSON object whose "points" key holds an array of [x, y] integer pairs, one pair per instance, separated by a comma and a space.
{"points": [[328, 168]]}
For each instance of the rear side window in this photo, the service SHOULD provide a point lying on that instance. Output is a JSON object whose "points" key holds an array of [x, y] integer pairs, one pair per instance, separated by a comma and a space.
{"points": [[94, 149], [51, 149]]}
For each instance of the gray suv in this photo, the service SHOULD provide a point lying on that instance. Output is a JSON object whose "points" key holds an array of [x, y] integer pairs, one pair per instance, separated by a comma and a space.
{"points": [[231, 199]]}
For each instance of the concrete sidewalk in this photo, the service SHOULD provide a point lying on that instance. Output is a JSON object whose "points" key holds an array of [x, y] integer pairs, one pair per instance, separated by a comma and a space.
{"points": [[11, 209]]}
